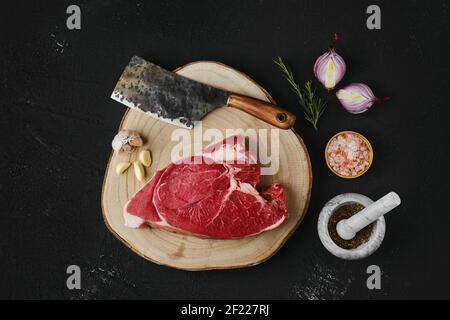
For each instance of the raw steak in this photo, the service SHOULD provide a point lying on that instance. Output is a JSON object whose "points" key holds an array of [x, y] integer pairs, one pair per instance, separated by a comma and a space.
{"points": [[212, 195]]}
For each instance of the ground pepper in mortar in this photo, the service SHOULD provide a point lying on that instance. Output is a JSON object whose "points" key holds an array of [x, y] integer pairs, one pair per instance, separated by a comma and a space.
{"points": [[345, 212]]}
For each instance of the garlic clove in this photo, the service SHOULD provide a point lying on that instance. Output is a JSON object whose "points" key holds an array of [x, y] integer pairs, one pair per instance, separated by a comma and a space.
{"points": [[139, 171], [145, 158], [122, 167]]}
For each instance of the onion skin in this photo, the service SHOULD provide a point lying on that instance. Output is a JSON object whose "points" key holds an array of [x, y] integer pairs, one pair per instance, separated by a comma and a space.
{"points": [[357, 97], [329, 69], [126, 141]]}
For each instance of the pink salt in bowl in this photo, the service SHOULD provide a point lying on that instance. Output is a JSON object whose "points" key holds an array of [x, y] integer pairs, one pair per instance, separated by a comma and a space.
{"points": [[348, 154]]}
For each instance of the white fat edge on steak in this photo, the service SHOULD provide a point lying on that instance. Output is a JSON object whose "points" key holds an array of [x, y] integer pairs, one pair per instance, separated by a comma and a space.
{"points": [[248, 188], [276, 224], [120, 98], [131, 220], [231, 189], [135, 222], [230, 152]]}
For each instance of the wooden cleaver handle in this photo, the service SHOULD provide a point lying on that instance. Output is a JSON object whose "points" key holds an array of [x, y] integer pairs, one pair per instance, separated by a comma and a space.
{"points": [[265, 111]]}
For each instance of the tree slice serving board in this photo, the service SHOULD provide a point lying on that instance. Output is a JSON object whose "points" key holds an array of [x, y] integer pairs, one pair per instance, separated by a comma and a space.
{"points": [[188, 252]]}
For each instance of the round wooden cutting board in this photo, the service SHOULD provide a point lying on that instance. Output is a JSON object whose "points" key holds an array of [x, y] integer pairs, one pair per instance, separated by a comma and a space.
{"points": [[188, 252]]}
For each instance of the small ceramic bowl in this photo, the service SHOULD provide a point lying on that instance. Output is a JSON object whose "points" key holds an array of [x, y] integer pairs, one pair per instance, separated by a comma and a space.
{"points": [[369, 147], [364, 250]]}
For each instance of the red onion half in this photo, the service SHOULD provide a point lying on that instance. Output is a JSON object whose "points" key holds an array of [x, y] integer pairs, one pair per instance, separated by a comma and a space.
{"points": [[330, 68], [357, 97]]}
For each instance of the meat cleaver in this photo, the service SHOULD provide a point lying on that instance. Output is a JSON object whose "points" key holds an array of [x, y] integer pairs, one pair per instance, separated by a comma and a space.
{"points": [[180, 101]]}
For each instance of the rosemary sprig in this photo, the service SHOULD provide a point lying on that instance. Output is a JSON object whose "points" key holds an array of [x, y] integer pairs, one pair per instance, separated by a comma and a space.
{"points": [[313, 106]]}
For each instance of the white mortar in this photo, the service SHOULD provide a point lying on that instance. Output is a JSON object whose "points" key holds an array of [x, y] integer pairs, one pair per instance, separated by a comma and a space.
{"points": [[364, 250]]}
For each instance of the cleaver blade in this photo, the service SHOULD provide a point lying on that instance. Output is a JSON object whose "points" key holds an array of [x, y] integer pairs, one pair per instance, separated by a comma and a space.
{"points": [[180, 101]]}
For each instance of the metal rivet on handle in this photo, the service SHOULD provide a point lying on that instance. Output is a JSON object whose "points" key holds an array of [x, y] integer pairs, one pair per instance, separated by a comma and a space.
{"points": [[281, 117]]}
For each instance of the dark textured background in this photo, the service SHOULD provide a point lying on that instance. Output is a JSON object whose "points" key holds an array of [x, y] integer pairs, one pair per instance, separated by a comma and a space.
{"points": [[58, 121]]}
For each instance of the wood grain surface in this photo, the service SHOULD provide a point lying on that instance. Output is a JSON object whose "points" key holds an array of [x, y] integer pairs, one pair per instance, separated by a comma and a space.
{"points": [[188, 252]]}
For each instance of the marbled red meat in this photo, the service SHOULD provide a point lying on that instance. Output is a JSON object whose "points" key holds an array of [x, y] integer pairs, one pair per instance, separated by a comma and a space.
{"points": [[212, 197]]}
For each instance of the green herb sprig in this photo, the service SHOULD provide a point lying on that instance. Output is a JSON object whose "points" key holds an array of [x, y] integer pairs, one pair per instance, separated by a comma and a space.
{"points": [[313, 106]]}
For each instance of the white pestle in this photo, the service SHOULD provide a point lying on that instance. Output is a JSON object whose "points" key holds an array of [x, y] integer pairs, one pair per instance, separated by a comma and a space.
{"points": [[347, 228]]}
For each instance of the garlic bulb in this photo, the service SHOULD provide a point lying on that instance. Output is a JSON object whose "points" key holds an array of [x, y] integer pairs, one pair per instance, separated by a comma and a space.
{"points": [[126, 141], [330, 68], [357, 97]]}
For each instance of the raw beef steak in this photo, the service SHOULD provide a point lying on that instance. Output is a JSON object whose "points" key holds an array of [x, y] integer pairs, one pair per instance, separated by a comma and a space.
{"points": [[212, 195]]}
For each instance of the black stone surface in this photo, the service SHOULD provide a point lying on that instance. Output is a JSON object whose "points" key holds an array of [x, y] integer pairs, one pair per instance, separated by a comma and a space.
{"points": [[58, 120]]}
